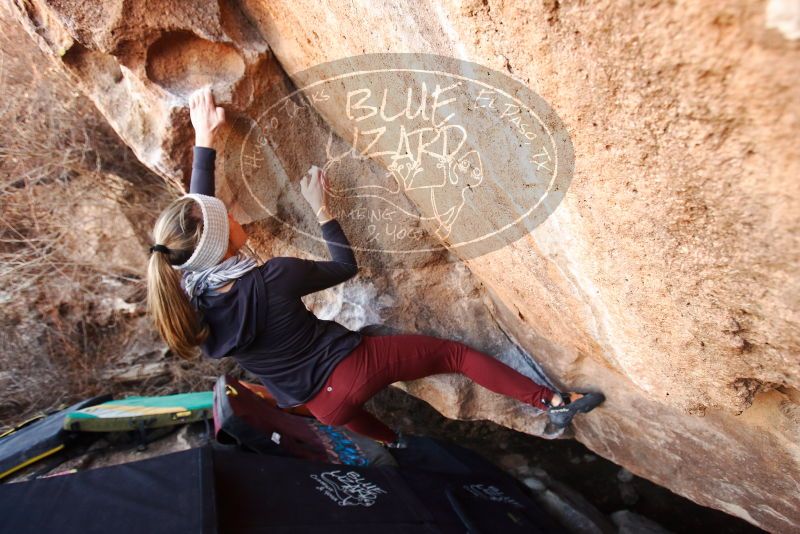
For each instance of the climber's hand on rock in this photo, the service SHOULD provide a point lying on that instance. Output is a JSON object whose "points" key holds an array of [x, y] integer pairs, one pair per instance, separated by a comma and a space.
{"points": [[206, 116], [312, 187]]}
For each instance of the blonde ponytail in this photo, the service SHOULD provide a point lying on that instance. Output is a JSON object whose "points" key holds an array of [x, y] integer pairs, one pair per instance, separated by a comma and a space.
{"points": [[178, 228]]}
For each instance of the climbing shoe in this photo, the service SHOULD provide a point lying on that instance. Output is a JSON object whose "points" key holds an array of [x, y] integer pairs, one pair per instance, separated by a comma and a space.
{"points": [[561, 416]]}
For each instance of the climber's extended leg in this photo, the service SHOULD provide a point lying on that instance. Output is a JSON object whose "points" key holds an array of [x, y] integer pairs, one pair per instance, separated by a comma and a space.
{"points": [[384, 360], [388, 359]]}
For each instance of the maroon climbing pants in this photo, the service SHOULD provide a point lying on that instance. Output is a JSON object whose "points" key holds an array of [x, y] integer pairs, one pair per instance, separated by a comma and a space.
{"points": [[379, 361]]}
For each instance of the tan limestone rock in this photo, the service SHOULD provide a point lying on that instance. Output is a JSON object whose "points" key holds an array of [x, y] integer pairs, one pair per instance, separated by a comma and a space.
{"points": [[669, 275]]}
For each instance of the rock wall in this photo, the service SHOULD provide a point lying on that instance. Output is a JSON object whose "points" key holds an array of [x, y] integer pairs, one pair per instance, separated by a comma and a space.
{"points": [[668, 276]]}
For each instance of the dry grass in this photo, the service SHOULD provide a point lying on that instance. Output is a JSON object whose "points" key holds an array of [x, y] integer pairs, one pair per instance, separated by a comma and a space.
{"points": [[76, 208]]}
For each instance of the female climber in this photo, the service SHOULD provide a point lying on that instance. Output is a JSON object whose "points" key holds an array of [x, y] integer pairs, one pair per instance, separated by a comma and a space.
{"points": [[202, 292]]}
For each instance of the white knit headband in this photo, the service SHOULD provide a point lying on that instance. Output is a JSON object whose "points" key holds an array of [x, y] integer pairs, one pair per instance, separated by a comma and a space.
{"points": [[213, 242]]}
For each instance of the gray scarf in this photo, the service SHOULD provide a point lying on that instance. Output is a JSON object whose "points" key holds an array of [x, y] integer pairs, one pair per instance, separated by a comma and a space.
{"points": [[197, 283]]}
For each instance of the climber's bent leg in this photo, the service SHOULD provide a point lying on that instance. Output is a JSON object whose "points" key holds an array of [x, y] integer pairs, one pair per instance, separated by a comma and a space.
{"points": [[338, 410], [368, 425]]}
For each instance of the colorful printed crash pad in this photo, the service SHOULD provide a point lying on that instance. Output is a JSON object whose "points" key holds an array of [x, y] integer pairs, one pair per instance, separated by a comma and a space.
{"points": [[243, 417], [134, 413]]}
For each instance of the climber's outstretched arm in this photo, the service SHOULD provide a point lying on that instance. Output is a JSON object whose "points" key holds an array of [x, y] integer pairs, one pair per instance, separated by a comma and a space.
{"points": [[206, 118]]}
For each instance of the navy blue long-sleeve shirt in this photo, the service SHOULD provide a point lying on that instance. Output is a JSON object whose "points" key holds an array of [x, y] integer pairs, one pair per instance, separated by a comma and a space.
{"points": [[261, 321]]}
